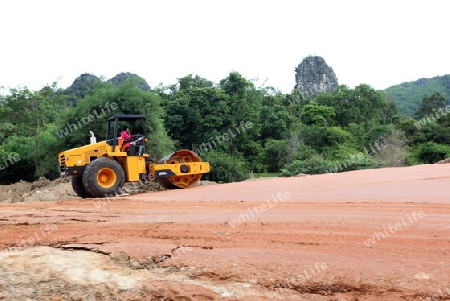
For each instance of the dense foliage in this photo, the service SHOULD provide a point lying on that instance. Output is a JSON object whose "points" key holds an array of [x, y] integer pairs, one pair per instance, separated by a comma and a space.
{"points": [[234, 125]]}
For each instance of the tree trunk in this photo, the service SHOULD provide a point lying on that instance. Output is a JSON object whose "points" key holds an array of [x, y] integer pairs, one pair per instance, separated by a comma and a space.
{"points": [[36, 146]]}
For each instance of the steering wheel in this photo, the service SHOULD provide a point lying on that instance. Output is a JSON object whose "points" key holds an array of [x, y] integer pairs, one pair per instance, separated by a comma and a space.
{"points": [[137, 138]]}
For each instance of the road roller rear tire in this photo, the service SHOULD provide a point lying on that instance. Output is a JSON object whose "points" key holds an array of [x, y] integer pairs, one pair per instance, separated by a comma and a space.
{"points": [[103, 177], [78, 187]]}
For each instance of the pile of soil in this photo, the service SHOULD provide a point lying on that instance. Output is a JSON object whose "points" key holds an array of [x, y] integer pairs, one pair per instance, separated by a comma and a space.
{"points": [[40, 190], [445, 161], [61, 189]]}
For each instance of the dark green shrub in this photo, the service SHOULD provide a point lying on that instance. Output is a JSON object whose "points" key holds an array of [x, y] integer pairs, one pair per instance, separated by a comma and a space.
{"points": [[224, 168], [431, 152], [313, 165]]}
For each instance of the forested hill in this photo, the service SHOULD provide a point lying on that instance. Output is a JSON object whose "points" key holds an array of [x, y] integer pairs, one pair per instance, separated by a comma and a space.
{"points": [[408, 96]]}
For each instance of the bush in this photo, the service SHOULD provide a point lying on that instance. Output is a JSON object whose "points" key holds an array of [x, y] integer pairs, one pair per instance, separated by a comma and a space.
{"points": [[318, 165], [431, 152], [22, 149], [275, 153], [314, 165], [321, 137], [393, 151], [354, 162], [224, 167]]}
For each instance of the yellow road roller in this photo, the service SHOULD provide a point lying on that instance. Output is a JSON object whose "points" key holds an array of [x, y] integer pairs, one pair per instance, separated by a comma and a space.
{"points": [[100, 169]]}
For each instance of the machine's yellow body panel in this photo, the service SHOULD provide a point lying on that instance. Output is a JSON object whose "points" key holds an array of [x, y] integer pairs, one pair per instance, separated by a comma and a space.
{"points": [[134, 166], [193, 168]]}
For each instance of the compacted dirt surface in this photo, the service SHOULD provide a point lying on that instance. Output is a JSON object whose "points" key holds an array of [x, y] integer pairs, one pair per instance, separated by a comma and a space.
{"points": [[365, 235]]}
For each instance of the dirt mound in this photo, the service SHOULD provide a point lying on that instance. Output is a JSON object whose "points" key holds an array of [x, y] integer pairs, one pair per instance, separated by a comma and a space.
{"points": [[141, 187], [40, 190], [151, 186], [445, 161], [206, 182], [61, 189]]}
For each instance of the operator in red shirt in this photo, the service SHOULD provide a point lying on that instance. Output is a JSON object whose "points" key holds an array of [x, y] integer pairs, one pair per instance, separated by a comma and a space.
{"points": [[126, 137]]}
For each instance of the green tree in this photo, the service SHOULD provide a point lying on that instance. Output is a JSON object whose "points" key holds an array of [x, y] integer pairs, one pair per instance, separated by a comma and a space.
{"points": [[91, 112], [360, 105], [322, 138], [26, 113], [197, 116], [318, 115], [442, 134], [17, 160], [433, 106], [275, 154], [390, 112], [189, 82], [276, 122], [244, 103]]}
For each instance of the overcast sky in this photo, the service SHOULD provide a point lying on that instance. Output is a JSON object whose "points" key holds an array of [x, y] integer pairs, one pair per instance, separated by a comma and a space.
{"points": [[380, 43]]}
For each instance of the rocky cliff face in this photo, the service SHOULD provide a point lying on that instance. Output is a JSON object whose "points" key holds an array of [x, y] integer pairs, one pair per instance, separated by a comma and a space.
{"points": [[83, 83], [86, 84], [313, 76], [139, 81]]}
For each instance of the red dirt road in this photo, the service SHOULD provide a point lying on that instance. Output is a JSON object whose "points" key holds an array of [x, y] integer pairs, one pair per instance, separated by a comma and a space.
{"points": [[364, 235]]}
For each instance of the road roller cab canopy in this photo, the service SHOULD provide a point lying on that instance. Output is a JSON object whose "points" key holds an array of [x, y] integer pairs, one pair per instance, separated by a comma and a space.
{"points": [[116, 118]]}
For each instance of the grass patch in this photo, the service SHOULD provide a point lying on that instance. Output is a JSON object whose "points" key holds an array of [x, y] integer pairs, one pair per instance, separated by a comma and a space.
{"points": [[266, 175]]}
